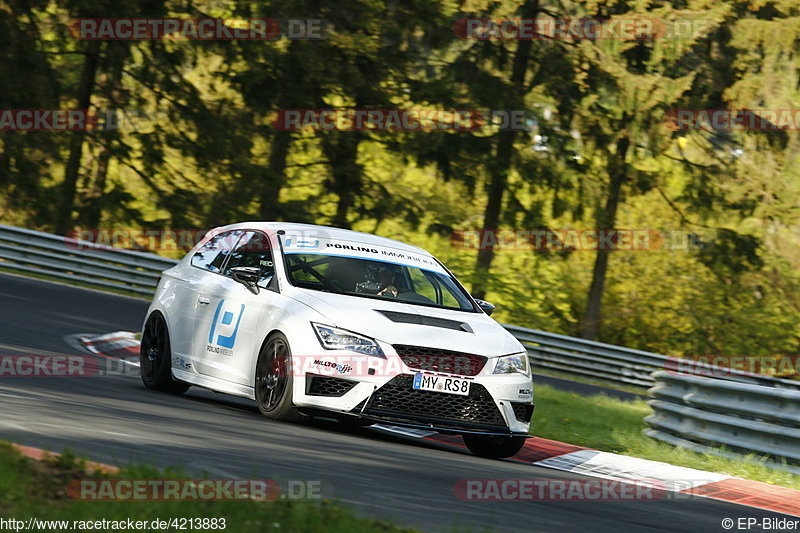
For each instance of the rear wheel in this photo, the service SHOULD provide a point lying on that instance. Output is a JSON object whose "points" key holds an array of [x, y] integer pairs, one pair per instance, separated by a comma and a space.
{"points": [[155, 357], [273, 386], [493, 446]]}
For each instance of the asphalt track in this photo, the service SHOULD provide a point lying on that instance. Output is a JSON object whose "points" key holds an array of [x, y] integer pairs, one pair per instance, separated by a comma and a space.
{"points": [[114, 419]]}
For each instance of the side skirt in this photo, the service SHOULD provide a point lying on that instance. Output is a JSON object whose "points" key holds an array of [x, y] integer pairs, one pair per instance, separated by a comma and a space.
{"points": [[214, 384]]}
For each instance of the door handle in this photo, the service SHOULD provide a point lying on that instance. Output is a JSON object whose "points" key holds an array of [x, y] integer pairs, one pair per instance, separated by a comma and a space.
{"points": [[203, 300]]}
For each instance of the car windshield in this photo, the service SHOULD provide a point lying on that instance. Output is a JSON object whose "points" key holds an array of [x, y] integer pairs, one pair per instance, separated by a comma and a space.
{"points": [[375, 279]]}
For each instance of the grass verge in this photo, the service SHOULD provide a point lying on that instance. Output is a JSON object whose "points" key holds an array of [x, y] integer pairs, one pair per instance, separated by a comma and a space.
{"points": [[612, 425], [37, 489], [583, 379]]}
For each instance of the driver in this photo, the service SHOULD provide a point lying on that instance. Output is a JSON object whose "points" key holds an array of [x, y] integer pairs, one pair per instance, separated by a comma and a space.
{"points": [[379, 280], [386, 279]]}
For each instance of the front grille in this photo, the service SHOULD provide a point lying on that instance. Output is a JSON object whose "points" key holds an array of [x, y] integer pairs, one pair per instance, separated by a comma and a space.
{"points": [[437, 360], [327, 385], [397, 399], [522, 410]]}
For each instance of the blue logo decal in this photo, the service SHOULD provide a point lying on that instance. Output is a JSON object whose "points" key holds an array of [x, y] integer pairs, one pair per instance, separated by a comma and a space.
{"points": [[302, 244], [226, 341]]}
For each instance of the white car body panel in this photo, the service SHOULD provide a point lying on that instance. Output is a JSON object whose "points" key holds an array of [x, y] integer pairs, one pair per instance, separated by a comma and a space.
{"points": [[216, 344]]}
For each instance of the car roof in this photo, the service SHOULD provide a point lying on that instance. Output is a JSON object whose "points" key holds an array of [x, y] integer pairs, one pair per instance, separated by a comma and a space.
{"points": [[330, 232]]}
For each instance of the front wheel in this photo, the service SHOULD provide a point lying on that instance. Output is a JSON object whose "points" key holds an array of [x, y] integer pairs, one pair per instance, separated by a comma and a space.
{"points": [[155, 357], [273, 386], [493, 446]]}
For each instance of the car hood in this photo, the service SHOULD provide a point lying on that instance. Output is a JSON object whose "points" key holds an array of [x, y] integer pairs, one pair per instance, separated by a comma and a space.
{"points": [[399, 323]]}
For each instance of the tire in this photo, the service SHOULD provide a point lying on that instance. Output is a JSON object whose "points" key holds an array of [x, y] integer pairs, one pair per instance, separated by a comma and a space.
{"points": [[155, 357], [493, 446], [274, 380]]}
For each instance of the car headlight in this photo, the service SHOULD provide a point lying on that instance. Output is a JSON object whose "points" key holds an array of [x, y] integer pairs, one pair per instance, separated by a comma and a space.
{"points": [[333, 338], [510, 364]]}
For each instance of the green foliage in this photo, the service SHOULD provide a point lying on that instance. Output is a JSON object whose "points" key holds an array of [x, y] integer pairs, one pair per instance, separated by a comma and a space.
{"points": [[205, 151]]}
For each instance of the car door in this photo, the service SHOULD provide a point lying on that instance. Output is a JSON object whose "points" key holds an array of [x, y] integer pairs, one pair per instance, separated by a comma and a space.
{"points": [[205, 265], [229, 316]]}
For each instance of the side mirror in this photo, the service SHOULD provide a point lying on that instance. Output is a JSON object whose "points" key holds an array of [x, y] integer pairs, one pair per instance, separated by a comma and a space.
{"points": [[485, 306], [247, 276]]}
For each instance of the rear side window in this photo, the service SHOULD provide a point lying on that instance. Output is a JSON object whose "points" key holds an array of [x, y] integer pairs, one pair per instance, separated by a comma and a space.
{"points": [[211, 256]]}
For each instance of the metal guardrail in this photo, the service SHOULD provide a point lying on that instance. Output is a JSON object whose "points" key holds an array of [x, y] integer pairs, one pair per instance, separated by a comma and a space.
{"points": [[137, 272], [80, 261], [707, 414], [617, 364], [588, 359]]}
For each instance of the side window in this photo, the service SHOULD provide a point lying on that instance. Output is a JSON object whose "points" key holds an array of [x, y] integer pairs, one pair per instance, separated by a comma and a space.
{"points": [[253, 250], [212, 254]]}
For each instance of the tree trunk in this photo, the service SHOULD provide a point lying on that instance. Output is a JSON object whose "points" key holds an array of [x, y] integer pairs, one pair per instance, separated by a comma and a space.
{"points": [[72, 170], [606, 220], [94, 210], [494, 204], [5, 168], [341, 151], [498, 172], [114, 92], [273, 180]]}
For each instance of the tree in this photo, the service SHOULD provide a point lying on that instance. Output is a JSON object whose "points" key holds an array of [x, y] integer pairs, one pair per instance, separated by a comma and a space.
{"points": [[26, 157], [626, 89]]}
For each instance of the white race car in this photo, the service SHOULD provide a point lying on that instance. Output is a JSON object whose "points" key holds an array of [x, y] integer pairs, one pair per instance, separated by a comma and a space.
{"points": [[313, 320]]}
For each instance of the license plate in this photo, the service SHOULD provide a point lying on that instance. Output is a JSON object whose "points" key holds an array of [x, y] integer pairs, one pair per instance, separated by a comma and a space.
{"points": [[441, 384]]}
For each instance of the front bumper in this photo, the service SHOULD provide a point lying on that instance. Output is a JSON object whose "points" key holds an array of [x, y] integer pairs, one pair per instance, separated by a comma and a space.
{"points": [[380, 390], [397, 403]]}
